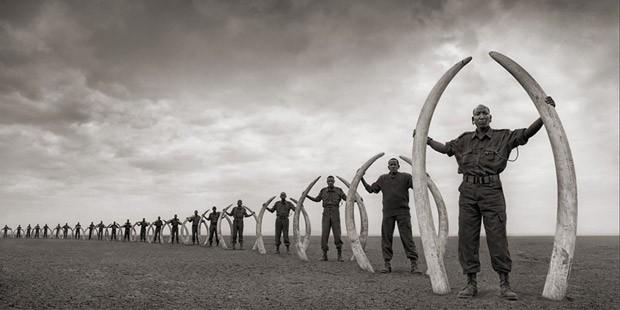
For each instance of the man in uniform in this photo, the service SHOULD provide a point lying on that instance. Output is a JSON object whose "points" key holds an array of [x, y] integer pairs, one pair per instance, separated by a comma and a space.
{"points": [[143, 226], [78, 229], [45, 229], [481, 156], [58, 228], [37, 228], [5, 231], [331, 197], [212, 218], [157, 234], [91, 227], [100, 227], [127, 232], [395, 187], [114, 227], [65, 230], [283, 209], [28, 229], [19, 231], [195, 219], [238, 213], [174, 223]]}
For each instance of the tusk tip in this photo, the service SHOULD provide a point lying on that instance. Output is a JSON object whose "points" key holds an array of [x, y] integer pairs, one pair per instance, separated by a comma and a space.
{"points": [[466, 60]]}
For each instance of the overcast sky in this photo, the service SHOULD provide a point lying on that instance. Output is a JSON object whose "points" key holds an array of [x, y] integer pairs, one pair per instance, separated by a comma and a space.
{"points": [[112, 110]]}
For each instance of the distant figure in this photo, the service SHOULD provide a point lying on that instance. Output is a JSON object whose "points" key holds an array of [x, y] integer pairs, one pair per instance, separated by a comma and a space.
{"points": [[19, 231], [91, 227], [283, 208], [45, 229], [238, 213], [37, 228], [174, 230], [78, 228], [100, 227], [195, 219], [127, 235], [114, 227], [5, 231], [65, 230], [395, 186], [158, 224], [331, 197], [28, 231], [212, 218], [143, 226], [58, 228]]}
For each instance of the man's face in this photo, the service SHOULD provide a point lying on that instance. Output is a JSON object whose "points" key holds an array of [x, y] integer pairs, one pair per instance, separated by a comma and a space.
{"points": [[393, 166], [481, 117], [196, 212], [214, 208], [175, 216], [239, 203], [330, 182], [283, 196]]}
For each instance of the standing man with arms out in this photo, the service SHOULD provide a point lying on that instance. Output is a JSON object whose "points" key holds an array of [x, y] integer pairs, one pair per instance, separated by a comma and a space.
{"points": [[481, 156], [37, 228], [58, 228], [212, 218], [157, 234], [331, 197], [78, 229], [143, 225], [195, 219], [114, 227], [28, 229], [19, 231], [283, 208], [100, 227], [127, 232], [45, 229], [238, 213], [91, 227], [5, 231], [65, 230], [395, 187], [174, 223]]}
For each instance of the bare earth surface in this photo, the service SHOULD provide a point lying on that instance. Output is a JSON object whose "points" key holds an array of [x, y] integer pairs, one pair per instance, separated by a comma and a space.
{"points": [[101, 274]]}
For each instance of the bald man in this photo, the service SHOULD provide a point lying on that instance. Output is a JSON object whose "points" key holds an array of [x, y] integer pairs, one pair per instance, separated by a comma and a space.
{"points": [[481, 156]]}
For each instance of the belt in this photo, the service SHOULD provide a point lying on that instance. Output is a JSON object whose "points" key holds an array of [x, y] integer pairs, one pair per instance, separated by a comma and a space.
{"points": [[480, 179]]}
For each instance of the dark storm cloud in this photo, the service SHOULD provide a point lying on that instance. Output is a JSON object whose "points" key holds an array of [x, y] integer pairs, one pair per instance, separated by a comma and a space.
{"points": [[162, 103]]}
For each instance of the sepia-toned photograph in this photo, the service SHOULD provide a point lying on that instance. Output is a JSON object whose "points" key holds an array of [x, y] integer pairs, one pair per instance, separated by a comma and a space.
{"points": [[309, 154]]}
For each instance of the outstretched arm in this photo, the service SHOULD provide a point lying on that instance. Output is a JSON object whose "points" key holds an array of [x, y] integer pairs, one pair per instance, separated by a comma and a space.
{"points": [[435, 145], [315, 199], [537, 124]]}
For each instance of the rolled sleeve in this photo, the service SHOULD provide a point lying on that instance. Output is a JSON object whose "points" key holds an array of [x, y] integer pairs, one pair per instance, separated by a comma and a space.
{"points": [[517, 137]]}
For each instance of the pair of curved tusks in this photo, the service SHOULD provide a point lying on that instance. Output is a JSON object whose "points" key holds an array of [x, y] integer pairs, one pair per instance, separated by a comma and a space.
{"points": [[566, 226], [220, 238], [260, 243]]}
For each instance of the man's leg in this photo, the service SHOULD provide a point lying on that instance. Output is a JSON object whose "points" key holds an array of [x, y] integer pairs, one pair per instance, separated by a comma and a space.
{"points": [[326, 225], [212, 231], [234, 234], [240, 234], [493, 208], [469, 237], [335, 222], [406, 237], [278, 233], [387, 235], [287, 243], [194, 234]]}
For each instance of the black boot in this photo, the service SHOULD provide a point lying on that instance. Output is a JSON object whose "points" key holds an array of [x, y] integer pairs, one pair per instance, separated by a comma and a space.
{"points": [[414, 267], [387, 267], [277, 249], [504, 288], [240, 245], [471, 289], [340, 255], [288, 250], [324, 256], [234, 247]]}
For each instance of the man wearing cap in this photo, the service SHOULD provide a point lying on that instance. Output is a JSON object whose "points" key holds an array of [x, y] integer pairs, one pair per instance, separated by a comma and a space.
{"points": [[481, 156]]}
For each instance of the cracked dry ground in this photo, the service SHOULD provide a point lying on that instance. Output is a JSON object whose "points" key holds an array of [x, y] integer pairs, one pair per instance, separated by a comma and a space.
{"points": [[99, 274]]}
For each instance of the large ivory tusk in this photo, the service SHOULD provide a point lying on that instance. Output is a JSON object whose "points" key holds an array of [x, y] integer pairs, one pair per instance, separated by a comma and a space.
{"points": [[300, 245], [442, 212], [184, 233], [356, 246], [256, 221], [306, 242], [150, 237], [260, 244], [206, 223], [566, 226], [220, 238], [363, 216], [134, 232], [436, 268]]}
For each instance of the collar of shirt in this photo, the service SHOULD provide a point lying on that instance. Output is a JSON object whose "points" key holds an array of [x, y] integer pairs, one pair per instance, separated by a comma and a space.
{"points": [[480, 135]]}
